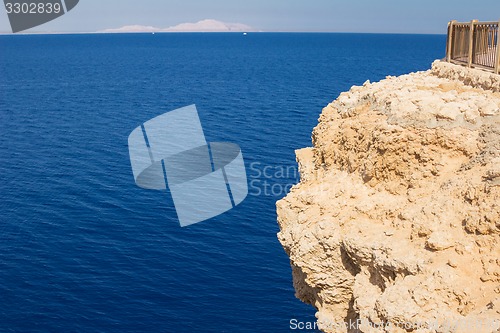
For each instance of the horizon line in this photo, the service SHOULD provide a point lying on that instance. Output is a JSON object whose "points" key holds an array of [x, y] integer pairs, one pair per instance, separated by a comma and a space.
{"points": [[6, 33]]}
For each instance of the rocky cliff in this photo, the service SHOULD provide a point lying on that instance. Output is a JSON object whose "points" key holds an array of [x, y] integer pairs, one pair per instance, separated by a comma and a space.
{"points": [[395, 224]]}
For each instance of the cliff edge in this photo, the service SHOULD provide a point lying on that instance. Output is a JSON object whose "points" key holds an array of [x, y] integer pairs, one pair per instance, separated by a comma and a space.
{"points": [[395, 224]]}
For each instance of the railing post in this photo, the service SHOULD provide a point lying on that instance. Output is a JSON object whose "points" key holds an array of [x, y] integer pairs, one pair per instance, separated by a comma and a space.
{"points": [[449, 43], [497, 63], [471, 42]]}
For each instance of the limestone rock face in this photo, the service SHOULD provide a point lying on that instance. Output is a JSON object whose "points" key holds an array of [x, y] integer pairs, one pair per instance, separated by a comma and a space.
{"points": [[395, 224]]}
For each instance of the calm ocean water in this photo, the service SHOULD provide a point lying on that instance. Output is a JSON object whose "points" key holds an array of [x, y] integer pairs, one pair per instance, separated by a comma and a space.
{"points": [[83, 249]]}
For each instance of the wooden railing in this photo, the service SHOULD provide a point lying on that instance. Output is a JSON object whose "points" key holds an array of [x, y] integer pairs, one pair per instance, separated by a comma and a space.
{"points": [[474, 44]]}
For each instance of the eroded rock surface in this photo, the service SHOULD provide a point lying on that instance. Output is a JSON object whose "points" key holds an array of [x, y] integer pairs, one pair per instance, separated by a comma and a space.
{"points": [[396, 220]]}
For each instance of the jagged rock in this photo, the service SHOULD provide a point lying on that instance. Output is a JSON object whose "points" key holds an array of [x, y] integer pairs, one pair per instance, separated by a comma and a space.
{"points": [[396, 219]]}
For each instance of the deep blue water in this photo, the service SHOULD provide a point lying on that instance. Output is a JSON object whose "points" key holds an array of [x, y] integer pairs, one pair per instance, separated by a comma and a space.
{"points": [[83, 249]]}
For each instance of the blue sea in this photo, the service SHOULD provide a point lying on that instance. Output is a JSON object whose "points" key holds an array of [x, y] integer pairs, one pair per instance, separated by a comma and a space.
{"points": [[83, 249]]}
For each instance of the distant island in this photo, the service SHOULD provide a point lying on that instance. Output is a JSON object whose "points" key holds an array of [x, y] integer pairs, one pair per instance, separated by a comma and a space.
{"points": [[208, 25]]}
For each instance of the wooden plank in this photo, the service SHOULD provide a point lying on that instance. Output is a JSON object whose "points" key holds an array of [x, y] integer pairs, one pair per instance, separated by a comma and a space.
{"points": [[471, 42], [487, 23], [458, 62], [449, 43], [497, 66], [468, 23]]}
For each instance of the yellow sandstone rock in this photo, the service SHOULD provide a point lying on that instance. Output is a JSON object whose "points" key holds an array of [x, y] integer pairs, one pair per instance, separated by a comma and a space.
{"points": [[396, 220]]}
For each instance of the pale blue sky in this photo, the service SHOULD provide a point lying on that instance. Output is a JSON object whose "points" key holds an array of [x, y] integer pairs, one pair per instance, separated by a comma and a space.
{"points": [[399, 16]]}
